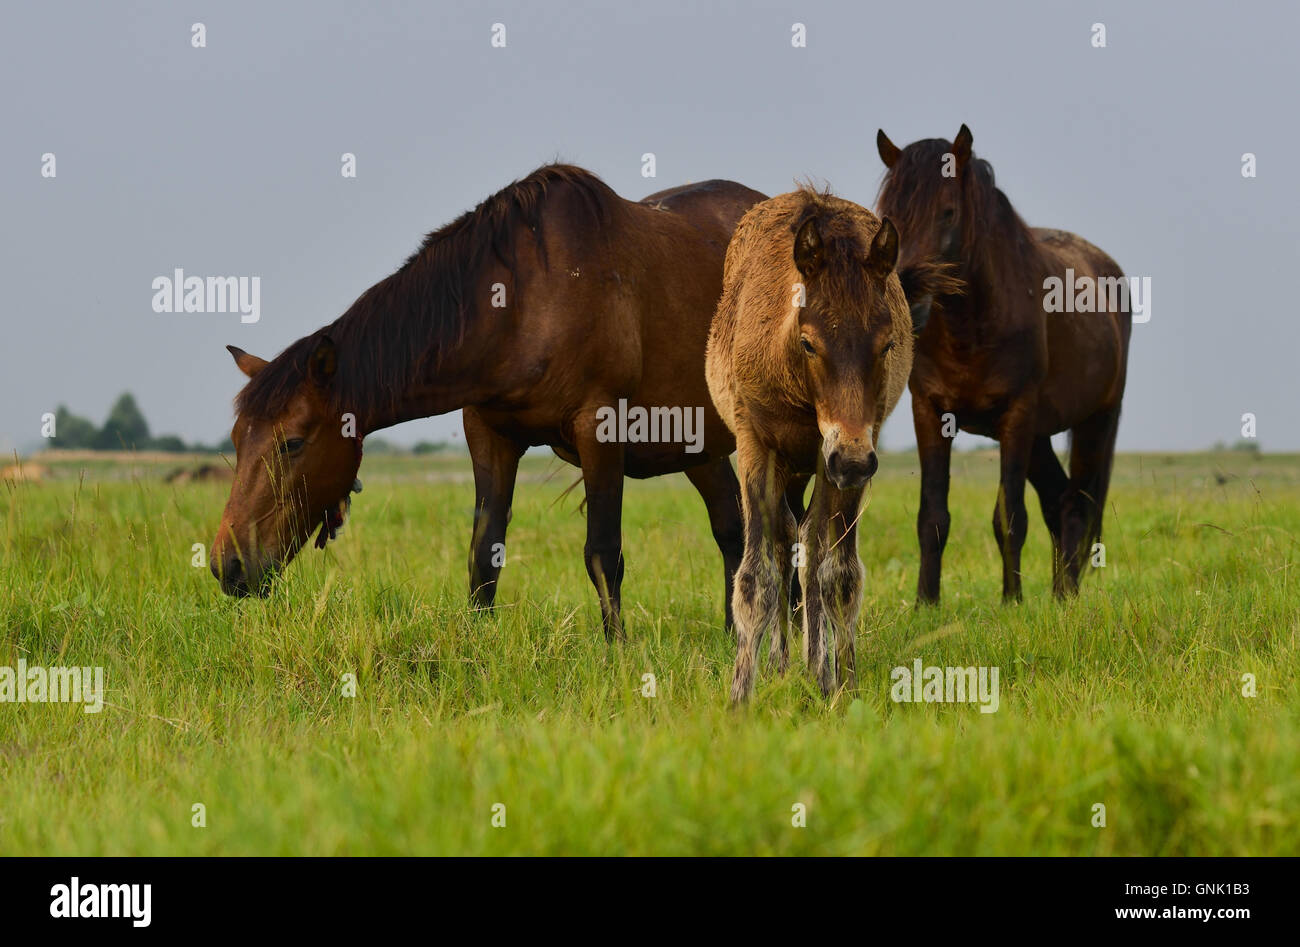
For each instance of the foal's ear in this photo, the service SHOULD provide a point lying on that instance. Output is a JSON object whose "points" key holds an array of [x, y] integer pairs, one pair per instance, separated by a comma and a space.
{"points": [[808, 248], [250, 365], [961, 145], [883, 255], [889, 152], [324, 361]]}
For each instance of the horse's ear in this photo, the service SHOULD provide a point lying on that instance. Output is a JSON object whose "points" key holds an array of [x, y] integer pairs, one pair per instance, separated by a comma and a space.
{"points": [[889, 152], [250, 365], [808, 248], [324, 361], [883, 255], [961, 145]]}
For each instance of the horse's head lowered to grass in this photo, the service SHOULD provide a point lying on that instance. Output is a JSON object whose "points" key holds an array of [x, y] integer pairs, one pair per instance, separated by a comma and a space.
{"points": [[296, 461]]}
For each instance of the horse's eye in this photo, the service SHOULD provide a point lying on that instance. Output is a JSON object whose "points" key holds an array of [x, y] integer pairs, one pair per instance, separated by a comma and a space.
{"points": [[888, 346], [292, 445], [948, 215], [807, 346]]}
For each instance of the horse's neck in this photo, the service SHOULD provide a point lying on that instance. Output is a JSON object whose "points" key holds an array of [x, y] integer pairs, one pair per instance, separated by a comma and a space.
{"points": [[1009, 291], [458, 380]]}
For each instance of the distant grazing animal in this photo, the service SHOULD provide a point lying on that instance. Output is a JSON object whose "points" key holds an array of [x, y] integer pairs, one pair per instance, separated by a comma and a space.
{"points": [[25, 472], [536, 312], [809, 352], [203, 473], [997, 363]]}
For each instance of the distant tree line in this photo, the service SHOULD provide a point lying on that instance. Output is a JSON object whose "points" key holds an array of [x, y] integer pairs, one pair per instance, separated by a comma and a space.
{"points": [[127, 429]]}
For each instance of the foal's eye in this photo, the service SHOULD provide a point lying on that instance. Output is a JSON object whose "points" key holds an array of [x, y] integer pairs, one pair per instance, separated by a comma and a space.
{"points": [[888, 346], [292, 445], [807, 346]]}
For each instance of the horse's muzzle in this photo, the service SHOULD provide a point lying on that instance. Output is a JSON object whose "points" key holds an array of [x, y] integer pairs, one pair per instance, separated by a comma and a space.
{"points": [[229, 571], [848, 472]]}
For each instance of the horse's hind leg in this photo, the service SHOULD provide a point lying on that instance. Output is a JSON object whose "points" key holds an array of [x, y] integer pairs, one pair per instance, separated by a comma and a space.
{"points": [[1092, 452], [1050, 482], [717, 484], [496, 462], [602, 477], [1010, 520]]}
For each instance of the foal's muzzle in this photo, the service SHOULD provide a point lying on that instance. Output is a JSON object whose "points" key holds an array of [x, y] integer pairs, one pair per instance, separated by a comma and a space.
{"points": [[850, 471]]}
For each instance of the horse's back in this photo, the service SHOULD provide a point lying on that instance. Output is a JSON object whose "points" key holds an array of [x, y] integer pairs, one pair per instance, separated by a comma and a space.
{"points": [[718, 202], [1072, 250], [621, 308]]}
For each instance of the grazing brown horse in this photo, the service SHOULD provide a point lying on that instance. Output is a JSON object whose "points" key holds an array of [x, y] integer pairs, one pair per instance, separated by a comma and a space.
{"points": [[537, 312], [809, 351], [996, 362]]}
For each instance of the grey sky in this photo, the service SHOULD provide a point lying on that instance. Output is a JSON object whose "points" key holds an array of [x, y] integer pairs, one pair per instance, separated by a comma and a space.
{"points": [[225, 161]]}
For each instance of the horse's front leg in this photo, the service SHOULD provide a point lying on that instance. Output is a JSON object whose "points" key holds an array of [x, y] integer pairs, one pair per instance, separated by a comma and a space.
{"points": [[932, 518], [832, 581], [758, 603], [839, 580], [602, 478], [496, 462], [785, 555], [812, 537]]}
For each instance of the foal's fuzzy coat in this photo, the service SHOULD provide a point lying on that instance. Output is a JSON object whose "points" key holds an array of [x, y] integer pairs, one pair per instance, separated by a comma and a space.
{"points": [[808, 353]]}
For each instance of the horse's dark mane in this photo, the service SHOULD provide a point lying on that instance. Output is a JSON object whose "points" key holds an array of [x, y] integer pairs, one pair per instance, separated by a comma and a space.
{"points": [[409, 321], [996, 243]]}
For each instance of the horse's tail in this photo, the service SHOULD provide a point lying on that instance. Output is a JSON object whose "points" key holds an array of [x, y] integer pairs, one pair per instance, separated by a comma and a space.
{"points": [[1092, 452]]}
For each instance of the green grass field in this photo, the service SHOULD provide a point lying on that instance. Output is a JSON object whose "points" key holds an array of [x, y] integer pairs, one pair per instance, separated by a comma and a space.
{"points": [[1130, 696]]}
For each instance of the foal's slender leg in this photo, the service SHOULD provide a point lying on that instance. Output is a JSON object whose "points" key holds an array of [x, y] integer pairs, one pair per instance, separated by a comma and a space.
{"points": [[602, 477], [718, 486], [812, 534], [1010, 520], [759, 602], [496, 462], [786, 529], [833, 584], [840, 578], [932, 519], [1050, 482]]}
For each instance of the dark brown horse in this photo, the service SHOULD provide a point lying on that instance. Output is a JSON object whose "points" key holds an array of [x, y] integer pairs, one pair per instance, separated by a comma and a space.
{"points": [[1001, 361], [537, 313]]}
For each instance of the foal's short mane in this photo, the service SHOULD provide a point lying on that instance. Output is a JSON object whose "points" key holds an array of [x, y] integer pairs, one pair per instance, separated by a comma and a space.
{"points": [[410, 320], [995, 241], [837, 225]]}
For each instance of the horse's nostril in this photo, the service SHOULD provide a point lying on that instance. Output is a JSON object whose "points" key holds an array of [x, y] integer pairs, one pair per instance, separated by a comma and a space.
{"points": [[872, 464], [227, 571]]}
